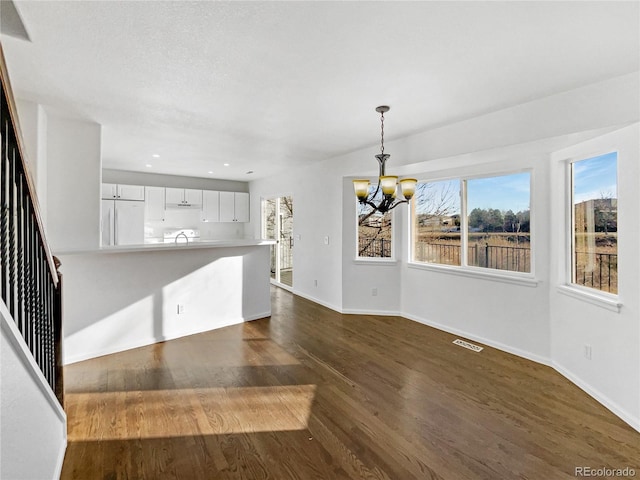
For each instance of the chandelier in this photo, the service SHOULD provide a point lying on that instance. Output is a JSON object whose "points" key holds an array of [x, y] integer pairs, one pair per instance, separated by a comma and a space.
{"points": [[388, 183]]}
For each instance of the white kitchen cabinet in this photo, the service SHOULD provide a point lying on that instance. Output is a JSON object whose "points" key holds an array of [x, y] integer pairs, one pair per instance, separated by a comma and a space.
{"points": [[210, 206], [183, 197], [241, 206], [112, 191], [193, 197], [154, 204], [234, 207]]}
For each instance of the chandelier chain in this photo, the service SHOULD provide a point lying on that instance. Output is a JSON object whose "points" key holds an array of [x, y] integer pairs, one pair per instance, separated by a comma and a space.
{"points": [[382, 132]]}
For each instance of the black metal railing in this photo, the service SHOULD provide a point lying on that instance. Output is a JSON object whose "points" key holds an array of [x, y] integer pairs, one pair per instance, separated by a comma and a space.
{"points": [[29, 283], [597, 270], [515, 259], [374, 247]]}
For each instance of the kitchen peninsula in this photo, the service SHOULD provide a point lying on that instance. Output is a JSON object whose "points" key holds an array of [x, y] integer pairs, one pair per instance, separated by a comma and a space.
{"points": [[121, 297]]}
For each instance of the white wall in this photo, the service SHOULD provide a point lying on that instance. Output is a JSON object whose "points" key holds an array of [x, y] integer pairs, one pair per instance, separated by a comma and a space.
{"points": [[612, 375], [480, 308], [33, 425], [33, 125], [317, 203], [73, 172], [116, 301]]}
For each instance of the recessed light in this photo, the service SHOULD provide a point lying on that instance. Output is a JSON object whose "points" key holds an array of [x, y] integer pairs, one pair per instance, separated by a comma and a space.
{"points": [[148, 165], [155, 155], [226, 164], [209, 172]]}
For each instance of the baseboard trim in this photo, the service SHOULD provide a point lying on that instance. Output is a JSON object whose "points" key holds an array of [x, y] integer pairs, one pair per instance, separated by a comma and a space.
{"points": [[633, 422], [317, 300], [152, 340], [477, 338], [15, 338], [380, 313], [61, 454]]}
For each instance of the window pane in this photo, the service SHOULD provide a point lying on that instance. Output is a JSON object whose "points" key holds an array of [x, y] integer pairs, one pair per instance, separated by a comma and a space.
{"points": [[374, 230], [436, 223], [498, 222], [595, 223]]}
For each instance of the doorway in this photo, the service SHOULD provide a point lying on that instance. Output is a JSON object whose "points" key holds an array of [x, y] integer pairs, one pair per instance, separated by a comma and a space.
{"points": [[277, 224]]}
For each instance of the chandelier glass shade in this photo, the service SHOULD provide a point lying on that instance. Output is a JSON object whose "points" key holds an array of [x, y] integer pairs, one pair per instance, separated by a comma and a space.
{"points": [[389, 184]]}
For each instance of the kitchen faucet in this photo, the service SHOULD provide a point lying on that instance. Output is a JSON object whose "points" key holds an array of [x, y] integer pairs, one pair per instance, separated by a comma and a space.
{"points": [[181, 234]]}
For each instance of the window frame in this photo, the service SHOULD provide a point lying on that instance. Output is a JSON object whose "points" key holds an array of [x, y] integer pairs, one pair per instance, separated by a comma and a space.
{"points": [[568, 287], [505, 276]]}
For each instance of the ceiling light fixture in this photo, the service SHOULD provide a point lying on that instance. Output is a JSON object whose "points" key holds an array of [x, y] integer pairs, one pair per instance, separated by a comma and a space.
{"points": [[388, 183], [226, 164], [148, 165], [155, 155]]}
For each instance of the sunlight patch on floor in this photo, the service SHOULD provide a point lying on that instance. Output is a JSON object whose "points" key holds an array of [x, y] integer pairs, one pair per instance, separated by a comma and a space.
{"points": [[187, 412]]}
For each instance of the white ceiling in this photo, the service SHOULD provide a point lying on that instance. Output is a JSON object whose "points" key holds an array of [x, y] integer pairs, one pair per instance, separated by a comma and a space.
{"points": [[266, 86]]}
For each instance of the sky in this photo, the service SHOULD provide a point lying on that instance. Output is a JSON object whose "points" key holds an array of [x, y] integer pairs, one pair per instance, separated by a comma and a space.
{"points": [[507, 192], [595, 177]]}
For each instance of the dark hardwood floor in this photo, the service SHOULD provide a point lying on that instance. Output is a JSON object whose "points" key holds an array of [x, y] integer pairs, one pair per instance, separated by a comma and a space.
{"points": [[312, 394]]}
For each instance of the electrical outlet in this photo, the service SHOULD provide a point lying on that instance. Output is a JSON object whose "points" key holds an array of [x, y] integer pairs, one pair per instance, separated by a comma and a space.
{"points": [[374, 292], [326, 240], [180, 308], [587, 352]]}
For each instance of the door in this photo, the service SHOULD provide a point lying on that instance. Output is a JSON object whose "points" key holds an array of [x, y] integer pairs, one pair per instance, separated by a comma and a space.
{"points": [[154, 204], [277, 215], [193, 197], [174, 196], [129, 222], [227, 207], [241, 206], [131, 192], [106, 222], [210, 206]]}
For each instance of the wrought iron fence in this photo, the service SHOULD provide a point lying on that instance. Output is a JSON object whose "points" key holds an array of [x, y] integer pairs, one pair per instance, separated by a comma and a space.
{"points": [[515, 259], [596, 270], [374, 247]]}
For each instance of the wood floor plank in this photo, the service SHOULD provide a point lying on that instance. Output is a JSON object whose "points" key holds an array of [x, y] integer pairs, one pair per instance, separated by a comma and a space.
{"points": [[312, 394]]}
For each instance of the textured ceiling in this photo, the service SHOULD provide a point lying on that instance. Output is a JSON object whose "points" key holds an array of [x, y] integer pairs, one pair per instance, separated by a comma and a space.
{"points": [[265, 86]]}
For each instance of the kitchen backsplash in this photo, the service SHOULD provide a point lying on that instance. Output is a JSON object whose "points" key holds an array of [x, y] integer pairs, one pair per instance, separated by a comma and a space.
{"points": [[189, 221]]}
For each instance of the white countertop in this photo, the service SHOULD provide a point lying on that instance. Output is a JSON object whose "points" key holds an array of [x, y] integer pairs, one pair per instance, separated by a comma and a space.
{"points": [[147, 247]]}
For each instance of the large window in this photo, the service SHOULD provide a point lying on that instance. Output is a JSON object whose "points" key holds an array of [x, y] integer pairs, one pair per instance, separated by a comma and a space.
{"points": [[594, 246], [436, 224], [495, 232], [374, 231]]}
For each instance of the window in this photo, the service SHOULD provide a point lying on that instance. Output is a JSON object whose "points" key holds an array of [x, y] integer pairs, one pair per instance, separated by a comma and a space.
{"points": [[374, 231], [496, 231], [594, 245], [437, 223]]}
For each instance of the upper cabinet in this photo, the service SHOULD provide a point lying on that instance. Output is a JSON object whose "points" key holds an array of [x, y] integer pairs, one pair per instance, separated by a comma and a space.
{"points": [[210, 206], [183, 197], [234, 207], [154, 204], [111, 191]]}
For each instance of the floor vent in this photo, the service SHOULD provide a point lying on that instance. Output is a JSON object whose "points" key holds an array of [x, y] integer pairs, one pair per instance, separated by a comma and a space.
{"points": [[468, 345]]}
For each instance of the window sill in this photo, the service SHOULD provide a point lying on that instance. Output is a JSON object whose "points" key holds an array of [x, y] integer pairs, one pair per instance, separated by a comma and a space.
{"points": [[527, 281], [606, 301], [375, 261]]}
